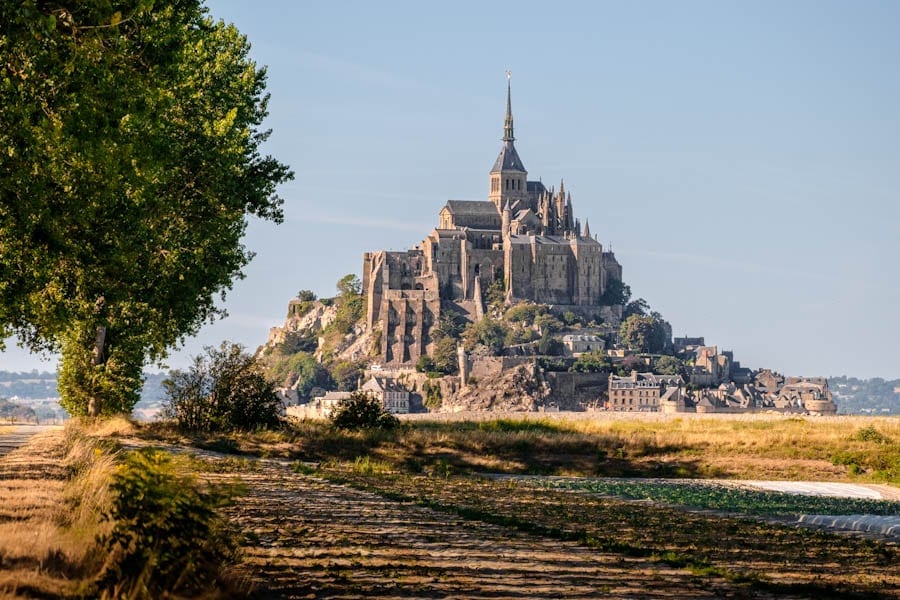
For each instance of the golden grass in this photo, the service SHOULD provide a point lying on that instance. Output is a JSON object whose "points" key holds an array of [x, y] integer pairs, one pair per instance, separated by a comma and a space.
{"points": [[762, 446], [52, 492]]}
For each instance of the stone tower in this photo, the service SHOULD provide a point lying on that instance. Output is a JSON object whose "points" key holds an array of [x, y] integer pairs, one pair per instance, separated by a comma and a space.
{"points": [[509, 179]]}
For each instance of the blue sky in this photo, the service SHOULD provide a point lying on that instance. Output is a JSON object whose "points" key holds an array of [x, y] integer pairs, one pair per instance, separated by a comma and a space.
{"points": [[742, 159]]}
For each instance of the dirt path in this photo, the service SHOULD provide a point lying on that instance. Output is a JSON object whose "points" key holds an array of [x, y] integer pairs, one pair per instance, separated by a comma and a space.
{"points": [[14, 436], [313, 539]]}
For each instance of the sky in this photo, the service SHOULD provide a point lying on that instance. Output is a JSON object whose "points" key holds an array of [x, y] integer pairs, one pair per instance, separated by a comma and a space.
{"points": [[742, 159]]}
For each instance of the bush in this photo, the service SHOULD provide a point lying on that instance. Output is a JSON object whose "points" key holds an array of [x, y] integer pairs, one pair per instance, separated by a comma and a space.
{"points": [[224, 390], [167, 535], [870, 434], [362, 411]]}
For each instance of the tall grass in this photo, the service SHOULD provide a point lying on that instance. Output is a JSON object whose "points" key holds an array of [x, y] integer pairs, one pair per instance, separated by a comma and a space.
{"points": [[730, 446]]}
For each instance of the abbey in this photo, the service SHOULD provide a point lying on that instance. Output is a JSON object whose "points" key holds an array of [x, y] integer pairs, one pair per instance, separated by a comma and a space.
{"points": [[524, 237]]}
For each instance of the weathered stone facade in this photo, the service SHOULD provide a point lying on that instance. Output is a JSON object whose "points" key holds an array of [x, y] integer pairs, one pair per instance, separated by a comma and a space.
{"points": [[524, 235]]}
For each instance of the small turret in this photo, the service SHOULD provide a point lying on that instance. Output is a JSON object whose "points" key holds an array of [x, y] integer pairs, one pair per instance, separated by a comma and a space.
{"points": [[506, 218], [587, 229]]}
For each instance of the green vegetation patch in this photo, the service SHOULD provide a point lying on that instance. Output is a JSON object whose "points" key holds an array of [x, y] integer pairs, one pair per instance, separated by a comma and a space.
{"points": [[708, 496]]}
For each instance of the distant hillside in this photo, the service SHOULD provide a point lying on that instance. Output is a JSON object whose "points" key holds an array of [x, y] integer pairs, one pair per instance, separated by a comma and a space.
{"points": [[36, 390], [875, 396]]}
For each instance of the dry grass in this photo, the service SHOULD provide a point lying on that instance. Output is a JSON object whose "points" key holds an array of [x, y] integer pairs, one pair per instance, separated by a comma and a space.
{"points": [[51, 493], [599, 444]]}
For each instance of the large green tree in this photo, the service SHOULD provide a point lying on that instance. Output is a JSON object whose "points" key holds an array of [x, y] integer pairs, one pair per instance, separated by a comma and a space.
{"points": [[645, 333], [129, 164]]}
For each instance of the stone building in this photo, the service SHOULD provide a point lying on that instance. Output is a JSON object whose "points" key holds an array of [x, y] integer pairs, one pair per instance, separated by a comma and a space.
{"points": [[807, 393], [524, 237], [393, 397], [641, 392]]}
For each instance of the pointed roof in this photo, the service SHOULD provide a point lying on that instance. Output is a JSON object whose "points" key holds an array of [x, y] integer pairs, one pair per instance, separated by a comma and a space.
{"points": [[587, 228], [508, 160], [508, 123]]}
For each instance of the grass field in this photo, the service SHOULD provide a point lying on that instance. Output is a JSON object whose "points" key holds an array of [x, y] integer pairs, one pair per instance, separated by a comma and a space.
{"points": [[54, 488], [850, 449]]}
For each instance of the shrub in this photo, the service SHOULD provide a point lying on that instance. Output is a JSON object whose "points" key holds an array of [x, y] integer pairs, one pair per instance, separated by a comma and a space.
{"points": [[167, 535], [362, 411], [222, 391], [870, 434]]}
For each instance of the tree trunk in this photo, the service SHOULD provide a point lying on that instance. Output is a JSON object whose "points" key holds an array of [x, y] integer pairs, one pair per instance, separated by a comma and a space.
{"points": [[95, 403]]}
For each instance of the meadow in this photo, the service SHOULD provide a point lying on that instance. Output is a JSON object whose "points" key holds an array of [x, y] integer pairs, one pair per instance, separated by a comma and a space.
{"points": [[477, 469], [775, 447]]}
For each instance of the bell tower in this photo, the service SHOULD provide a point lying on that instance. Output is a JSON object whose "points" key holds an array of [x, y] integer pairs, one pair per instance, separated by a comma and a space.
{"points": [[508, 177]]}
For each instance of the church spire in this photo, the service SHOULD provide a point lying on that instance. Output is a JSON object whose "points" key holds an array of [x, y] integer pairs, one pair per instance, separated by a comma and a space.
{"points": [[508, 123]]}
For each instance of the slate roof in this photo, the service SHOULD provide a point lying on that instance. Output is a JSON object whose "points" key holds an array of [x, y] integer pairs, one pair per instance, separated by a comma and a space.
{"points": [[535, 186], [508, 159], [471, 207]]}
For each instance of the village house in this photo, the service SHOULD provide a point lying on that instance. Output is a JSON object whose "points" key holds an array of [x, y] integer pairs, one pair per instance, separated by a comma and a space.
{"points": [[640, 392], [577, 344], [393, 397]]}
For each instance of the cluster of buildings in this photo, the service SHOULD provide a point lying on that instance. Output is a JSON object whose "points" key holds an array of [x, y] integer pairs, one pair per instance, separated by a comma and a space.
{"points": [[524, 238], [525, 242], [649, 392], [394, 398]]}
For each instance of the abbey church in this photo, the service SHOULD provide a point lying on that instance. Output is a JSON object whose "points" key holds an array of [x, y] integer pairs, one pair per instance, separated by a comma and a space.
{"points": [[524, 235]]}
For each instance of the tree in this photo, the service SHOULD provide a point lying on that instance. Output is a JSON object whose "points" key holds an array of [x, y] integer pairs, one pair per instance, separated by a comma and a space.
{"points": [[306, 295], [349, 285], [487, 332], [591, 362], [638, 307], [616, 293], [446, 359], [130, 140], [637, 333], [224, 390], [362, 411], [668, 365]]}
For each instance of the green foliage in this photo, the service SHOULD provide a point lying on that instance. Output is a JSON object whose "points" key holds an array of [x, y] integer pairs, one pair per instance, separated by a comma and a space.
{"points": [[445, 356], [638, 307], [346, 374], [224, 390], [350, 307], [130, 140], [487, 332], [616, 293], [306, 296], [433, 399], [424, 364], [732, 499], [298, 341], [668, 365], [870, 434], [301, 371], [167, 536], [549, 364], [362, 411], [495, 294], [449, 325], [525, 313], [570, 318], [349, 285], [591, 362], [646, 334], [550, 346]]}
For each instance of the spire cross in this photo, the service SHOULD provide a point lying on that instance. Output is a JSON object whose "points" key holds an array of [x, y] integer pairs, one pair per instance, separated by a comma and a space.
{"points": [[508, 124]]}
